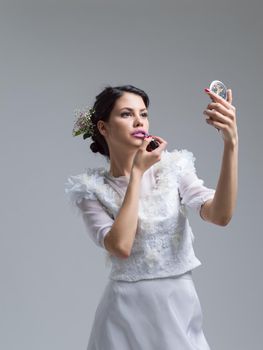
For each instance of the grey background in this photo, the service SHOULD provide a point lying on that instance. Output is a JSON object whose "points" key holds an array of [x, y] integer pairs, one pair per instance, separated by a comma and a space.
{"points": [[55, 57]]}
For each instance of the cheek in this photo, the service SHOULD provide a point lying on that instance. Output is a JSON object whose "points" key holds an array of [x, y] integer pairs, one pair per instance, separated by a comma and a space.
{"points": [[120, 130], [123, 126]]}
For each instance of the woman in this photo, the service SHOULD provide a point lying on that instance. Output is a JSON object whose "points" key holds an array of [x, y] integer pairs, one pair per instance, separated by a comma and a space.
{"points": [[136, 211]]}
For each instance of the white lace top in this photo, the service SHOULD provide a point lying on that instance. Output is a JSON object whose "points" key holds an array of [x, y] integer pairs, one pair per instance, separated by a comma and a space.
{"points": [[163, 244]]}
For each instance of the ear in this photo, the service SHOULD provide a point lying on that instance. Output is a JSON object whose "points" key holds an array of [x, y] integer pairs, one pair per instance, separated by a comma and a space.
{"points": [[101, 127]]}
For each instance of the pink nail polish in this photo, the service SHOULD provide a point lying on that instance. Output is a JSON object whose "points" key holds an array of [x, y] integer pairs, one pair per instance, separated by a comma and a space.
{"points": [[207, 90]]}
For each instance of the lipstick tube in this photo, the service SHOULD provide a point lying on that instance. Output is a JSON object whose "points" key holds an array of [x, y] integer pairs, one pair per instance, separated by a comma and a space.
{"points": [[152, 144]]}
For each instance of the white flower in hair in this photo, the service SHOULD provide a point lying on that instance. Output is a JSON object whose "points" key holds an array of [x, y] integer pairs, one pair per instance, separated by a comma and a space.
{"points": [[83, 123]]}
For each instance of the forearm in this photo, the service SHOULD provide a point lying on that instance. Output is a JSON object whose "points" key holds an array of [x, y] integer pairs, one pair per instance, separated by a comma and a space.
{"points": [[124, 227], [224, 201]]}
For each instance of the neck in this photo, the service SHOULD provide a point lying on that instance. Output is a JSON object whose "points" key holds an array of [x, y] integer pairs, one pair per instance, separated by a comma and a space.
{"points": [[121, 164]]}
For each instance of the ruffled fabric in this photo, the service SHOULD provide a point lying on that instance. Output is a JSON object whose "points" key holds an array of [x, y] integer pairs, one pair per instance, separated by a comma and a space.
{"points": [[82, 186], [181, 161], [86, 185], [163, 241]]}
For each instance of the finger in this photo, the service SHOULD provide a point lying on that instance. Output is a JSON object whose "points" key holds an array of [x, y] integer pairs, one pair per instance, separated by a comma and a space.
{"points": [[145, 142], [214, 115], [147, 139], [218, 107], [216, 98], [219, 126], [229, 96], [158, 138], [162, 144]]}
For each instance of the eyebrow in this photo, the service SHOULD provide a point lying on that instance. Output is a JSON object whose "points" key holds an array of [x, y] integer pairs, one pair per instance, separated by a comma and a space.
{"points": [[130, 109]]}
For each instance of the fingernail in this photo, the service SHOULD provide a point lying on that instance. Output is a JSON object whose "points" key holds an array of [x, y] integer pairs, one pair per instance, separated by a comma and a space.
{"points": [[207, 90]]}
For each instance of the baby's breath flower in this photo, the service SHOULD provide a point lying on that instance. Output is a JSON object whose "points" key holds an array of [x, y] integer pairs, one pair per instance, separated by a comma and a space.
{"points": [[83, 123]]}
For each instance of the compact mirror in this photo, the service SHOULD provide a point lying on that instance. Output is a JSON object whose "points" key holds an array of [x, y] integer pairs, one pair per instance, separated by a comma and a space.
{"points": [[218, 88]]}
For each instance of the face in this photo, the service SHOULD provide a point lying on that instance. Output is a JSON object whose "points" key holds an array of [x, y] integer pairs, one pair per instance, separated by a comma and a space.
{"points": [[128, 115]]}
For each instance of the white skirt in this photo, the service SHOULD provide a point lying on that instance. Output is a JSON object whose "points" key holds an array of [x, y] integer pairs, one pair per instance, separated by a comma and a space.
{"points": [[150, 314]]}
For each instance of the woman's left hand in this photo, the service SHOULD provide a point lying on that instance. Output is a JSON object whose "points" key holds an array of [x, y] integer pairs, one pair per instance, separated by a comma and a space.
{"points": [[221, 114]]}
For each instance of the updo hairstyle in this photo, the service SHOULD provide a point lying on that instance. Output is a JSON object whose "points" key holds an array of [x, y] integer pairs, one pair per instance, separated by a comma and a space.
{"points": [[103, 106]]}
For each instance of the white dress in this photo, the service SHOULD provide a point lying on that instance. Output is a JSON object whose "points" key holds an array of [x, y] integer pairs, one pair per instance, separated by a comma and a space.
{"points": [[150, 301]]}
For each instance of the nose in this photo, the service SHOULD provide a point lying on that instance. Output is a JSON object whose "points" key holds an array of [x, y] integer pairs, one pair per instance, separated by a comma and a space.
{"points": [[138, 120]]}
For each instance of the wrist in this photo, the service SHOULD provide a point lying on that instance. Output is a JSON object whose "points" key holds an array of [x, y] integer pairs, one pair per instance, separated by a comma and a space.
{"points": [[136, 173], [233, 144]]}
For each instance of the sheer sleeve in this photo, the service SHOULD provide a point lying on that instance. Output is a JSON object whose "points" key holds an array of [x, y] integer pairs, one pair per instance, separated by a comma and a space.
{"points": [[192, 190], [96, 220], [82, 198]]}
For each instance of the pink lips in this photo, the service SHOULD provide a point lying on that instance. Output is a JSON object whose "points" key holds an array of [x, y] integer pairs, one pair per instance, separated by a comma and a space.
{"points": [[140, 133]]}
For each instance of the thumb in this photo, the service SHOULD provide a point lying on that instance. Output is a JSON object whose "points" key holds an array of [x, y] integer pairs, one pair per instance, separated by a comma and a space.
{"points": [[146, 141], [229, 96]]}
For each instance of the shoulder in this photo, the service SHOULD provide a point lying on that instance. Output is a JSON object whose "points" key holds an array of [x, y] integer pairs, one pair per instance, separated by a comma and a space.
{"points": [[83, 185]]}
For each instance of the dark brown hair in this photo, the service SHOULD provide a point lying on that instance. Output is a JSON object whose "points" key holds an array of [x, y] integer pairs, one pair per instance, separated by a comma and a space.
{"points": [[103, 106]]}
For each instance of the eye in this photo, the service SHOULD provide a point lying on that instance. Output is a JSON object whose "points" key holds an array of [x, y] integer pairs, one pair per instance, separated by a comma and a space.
{"points": [[129, 113], [125, 113]]}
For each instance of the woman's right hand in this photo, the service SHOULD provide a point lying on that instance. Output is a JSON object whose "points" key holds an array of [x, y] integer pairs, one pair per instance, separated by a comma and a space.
{"points": [[144, 159]]}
